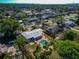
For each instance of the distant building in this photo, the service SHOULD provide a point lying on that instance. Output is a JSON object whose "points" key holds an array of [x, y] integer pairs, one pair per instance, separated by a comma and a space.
{"points": [[46, 11], [27, 11]]}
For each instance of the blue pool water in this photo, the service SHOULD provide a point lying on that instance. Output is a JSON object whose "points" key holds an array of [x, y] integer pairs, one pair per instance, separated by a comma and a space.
{"points": [[43, 42]]}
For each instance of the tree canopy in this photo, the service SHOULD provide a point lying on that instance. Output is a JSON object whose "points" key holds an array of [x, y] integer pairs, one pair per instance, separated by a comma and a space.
{"points": [[69, 34], [8, 27], [20, 43], [67, 49]]}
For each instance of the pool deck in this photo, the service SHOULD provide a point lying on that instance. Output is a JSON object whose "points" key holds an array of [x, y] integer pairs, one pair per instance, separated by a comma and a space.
{"points": [[43, 38]]}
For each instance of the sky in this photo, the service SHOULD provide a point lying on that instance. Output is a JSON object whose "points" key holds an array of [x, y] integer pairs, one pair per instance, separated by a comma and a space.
{"points": [[40, 1]]}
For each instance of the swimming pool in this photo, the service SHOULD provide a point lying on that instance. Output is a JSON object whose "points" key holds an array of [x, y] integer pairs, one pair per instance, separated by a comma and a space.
{"points": [[43, 42]]}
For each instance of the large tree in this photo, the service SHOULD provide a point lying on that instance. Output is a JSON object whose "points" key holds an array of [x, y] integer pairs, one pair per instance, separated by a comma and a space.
{"points": [[70, 35], [9, 28], [67, 49], [20, 43]]}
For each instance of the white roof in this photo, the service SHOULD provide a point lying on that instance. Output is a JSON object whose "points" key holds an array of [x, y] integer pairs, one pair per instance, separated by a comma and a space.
{"points": [[34, 33]]}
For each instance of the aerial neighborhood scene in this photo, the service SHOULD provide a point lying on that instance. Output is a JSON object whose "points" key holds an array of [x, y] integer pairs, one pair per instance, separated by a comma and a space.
{"points": [[39, 29]]}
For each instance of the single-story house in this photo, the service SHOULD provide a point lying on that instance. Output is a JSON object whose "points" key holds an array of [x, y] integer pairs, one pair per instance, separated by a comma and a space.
{"points": [[55, 29], [3, 49], [34, 34], [69, 24]]}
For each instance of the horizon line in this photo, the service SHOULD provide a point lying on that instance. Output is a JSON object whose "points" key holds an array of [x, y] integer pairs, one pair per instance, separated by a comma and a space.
{"points": [[38, 3]]}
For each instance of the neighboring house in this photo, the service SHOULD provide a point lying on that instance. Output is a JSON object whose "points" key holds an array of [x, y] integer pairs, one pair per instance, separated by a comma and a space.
{"points": [[55, 29], [46, 11], [3, 49], [52, 27], [27, 11], [8, 13], [66, 17], [69, 24]]}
